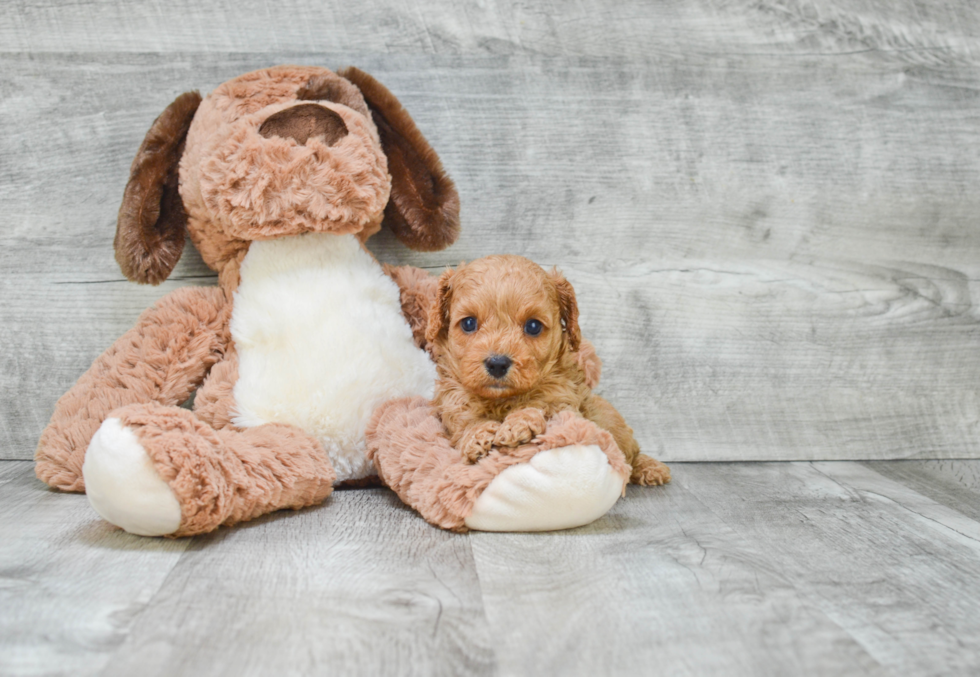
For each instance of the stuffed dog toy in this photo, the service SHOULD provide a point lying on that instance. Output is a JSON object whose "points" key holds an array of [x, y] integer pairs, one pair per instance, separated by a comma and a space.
{"points": [[506, 339], [308, 359]]}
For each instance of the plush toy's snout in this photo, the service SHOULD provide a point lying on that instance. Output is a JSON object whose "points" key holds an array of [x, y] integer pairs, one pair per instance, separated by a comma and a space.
{"points": [[303, 121], [277, 152]]}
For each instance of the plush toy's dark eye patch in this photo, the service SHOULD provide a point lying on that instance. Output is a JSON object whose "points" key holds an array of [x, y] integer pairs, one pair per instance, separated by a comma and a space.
{"points": [[533, 327], [468, 325], [303, 121], [322, 89], [335, 89]]}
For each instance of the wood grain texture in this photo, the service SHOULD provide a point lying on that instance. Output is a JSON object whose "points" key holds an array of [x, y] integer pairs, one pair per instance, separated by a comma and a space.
{"points": [[358, 586], [898, 571], [767, 208], [660, 585], [71, 585], [955, 484], [786, 360], [630, 28], [733, 569]]}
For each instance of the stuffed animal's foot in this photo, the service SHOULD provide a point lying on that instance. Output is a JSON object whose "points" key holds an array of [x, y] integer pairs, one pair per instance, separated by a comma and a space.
{"points": [[124, 487], [159, 471], [520, 427], [557, 488], [570, 475], [649, 471]]}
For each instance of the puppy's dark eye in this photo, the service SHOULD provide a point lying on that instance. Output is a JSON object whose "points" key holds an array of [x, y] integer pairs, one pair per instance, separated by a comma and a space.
{"points": [[533, 327], [468, 324]]}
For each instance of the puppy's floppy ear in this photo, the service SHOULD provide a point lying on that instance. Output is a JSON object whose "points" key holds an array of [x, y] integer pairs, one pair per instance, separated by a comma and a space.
{"points": [[568, 308], [437, 327], [150, 229], [423, 211]]}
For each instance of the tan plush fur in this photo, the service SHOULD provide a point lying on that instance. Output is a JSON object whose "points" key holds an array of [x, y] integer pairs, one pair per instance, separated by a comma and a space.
{"points": [[162, 359], [409, 446], [418, 291], [222, 477], [424, 208], [263, 187], [244, 179], [506, 308], [239, 186], [214, 402], [236, 185]]}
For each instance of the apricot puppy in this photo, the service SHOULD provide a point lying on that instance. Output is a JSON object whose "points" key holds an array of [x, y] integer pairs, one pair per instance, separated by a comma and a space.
{"points": [[505, 335]]}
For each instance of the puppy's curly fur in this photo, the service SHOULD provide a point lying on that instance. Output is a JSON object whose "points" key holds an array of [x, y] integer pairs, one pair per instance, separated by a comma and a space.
{"points": [[505, 337]]}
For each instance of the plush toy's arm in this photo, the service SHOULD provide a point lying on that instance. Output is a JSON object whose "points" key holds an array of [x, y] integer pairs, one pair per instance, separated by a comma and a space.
{"points": [[162, 359], [418, 291], [569, 475]]}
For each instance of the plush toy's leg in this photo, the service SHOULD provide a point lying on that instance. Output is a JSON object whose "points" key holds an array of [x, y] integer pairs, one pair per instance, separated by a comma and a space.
{"points": [[568, 476], [162, 359], [160, 471]]}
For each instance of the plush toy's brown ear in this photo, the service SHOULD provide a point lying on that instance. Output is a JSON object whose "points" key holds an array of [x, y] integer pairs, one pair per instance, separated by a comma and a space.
{"points": [[423, 211], [568, 308], [437, 327], [150, 230]]}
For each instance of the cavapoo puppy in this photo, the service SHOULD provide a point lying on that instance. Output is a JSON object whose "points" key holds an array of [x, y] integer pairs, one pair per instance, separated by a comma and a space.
{"points": [[505, 337]]}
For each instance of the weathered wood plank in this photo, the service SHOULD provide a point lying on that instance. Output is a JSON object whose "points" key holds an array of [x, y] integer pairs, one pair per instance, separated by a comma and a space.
{"points": [[632, 28], [755, 569], [12, 471], [933, 515], [836, 358], [779, 360], [359, 586], [953, 483], [695, 148], [696, 157], [761, 284], [899, 572], [660, 584], [769, 212], [71, 585]]}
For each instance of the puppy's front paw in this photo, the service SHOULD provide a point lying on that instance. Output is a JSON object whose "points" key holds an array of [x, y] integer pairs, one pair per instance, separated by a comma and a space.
{"points": [[649, 471], [478, 440], [520, 427]]}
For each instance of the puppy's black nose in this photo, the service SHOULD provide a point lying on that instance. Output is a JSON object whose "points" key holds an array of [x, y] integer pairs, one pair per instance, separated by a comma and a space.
{"points": [[497, 365]]}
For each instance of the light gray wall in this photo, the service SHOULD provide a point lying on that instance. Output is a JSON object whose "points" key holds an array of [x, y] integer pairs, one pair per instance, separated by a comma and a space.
{"points": [[768, 209]]}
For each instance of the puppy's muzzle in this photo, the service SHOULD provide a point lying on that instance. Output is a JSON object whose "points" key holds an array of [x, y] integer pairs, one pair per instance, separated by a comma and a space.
{"points": [[498, 365]]}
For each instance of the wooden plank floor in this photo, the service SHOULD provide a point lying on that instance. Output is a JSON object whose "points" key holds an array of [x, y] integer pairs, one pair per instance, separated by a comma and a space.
{"points": [[768, 209], [833, 568]]}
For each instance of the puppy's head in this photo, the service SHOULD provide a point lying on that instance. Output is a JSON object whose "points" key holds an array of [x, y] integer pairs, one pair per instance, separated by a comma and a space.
{"points": [[500, 324]]}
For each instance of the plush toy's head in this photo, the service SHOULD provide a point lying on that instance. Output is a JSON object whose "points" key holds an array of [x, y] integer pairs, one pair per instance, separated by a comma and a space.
{"points": [[278, 152]]}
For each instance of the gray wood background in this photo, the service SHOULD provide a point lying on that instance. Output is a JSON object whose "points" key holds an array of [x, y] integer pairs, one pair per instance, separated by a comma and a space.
{"points": [[768, 207], [731, 570]]}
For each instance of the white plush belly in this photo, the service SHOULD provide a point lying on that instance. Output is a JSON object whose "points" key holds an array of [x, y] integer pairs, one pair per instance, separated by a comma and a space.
{"points": [[321, 343]]}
